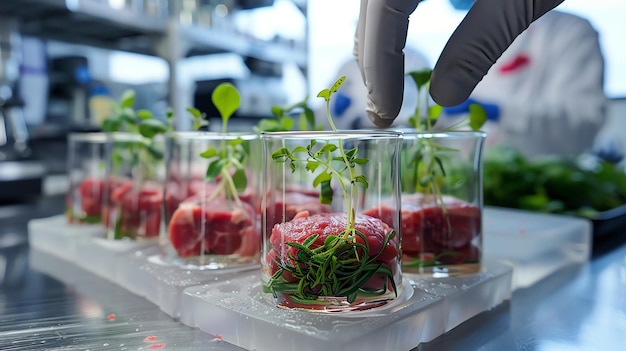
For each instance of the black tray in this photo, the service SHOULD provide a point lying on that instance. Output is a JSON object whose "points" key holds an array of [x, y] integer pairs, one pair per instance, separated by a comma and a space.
{"points": [[610, 223]]}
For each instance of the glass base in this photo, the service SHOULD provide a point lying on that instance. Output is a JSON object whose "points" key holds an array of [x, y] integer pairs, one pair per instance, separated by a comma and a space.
{"points": [[215, 262], [445, 271], [333, 304]]}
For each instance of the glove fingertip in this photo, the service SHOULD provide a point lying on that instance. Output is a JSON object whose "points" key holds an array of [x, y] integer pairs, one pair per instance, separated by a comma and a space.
{"points": [[447, 92], [379, 121]]}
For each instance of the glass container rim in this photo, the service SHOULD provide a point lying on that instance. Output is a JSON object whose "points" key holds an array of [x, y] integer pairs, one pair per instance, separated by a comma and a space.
{"points": [[208, 135], [464, 134], [94, 137], [364, 134]]}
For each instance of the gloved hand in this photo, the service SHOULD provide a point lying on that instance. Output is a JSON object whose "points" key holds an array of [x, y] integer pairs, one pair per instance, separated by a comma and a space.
{"points": [[487, 30], [491, 110]]}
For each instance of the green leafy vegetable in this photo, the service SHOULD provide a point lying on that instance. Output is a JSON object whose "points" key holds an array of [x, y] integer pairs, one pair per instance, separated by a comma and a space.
{"points": [[550, 184]]}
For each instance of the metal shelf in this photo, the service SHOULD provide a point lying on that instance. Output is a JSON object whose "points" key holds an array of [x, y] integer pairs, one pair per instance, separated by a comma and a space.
{"points": [[86, 22], [96, 24], [203, 41]]}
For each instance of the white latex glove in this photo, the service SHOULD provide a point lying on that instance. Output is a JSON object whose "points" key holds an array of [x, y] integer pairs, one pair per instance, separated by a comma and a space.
{"points": [[487, 30]]}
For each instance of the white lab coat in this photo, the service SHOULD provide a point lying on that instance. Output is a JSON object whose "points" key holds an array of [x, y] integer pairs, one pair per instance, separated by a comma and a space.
{"points": [[549, 87]]}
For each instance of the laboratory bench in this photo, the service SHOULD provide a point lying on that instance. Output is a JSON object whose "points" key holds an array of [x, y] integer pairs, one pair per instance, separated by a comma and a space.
{"points": [[580, 307]]}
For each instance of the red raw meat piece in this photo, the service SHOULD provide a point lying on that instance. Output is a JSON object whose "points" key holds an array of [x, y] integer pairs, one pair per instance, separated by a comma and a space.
{"points": [[325, 224], [223, 231], [425, 220], [293, 202], [138, 211], [91, 192]]}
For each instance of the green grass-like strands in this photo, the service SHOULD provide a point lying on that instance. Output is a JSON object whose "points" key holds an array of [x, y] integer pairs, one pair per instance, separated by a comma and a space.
{"points": [[339, 268]]}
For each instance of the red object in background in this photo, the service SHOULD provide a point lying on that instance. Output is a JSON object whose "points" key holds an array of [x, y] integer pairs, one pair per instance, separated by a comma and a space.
{"points": [[91, 192], [427, 230], [518, 62], [222, 230], [293, 202], [138, 211]]}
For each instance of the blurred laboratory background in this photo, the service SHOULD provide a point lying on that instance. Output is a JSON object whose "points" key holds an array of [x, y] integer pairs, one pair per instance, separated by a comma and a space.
{"points": [[61, 61]]}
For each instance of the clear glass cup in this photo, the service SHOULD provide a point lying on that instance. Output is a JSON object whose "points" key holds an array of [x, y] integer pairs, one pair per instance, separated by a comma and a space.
{"points": [[86, 167], [135, 170], [324, 250], [442, 204], [212, 207]]}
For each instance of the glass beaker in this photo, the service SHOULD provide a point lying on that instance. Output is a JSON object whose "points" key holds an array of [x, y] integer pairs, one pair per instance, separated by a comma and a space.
{"points": [[441, 176], [136, 175], [86, 167], [211, 200], [323, 248]]}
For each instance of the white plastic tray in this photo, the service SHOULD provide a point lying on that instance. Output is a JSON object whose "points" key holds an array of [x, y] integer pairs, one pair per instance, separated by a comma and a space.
{"points": [[57, 237], [237, 311], [536, 244], [163, 284], [228, 302]]}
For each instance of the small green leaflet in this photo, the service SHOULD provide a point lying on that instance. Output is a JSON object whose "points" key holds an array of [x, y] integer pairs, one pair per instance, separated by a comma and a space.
{"points": [[128, 99], [421, 78], [151, 127], [226, 99], [326, 93], [477, 116], [240, 180]]}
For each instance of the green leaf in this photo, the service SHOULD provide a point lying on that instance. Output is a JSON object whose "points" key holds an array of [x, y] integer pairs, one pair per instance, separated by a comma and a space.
{"points": [[477, 116], [310, 117], [438, 160], [326, 193], [111, 124], [425, 180], [330, 241], [144, 114], [337, 84], [360, 161], [155, 153], [151, 127], [303, 125], [322, 177], [286, 123], [351, 153], [435, 111], [199, 123], [128, 99], [324, 94], [281, 154], [226, 99], [413, 122], [127, 115], [278, 111], [169, 114], [421, 77], [327, 148], [299, 149], [209, 153], [240, 180], [235, 142], [361, 179], [195, 112], [214, 169], [311, 166]]}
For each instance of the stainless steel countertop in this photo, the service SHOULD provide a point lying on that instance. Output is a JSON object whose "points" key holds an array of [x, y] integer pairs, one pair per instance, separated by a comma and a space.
{"points": [[578, 308]]}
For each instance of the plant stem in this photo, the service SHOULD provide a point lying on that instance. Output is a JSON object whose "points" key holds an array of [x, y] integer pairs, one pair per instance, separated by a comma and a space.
{"points": [[351, 198]]}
